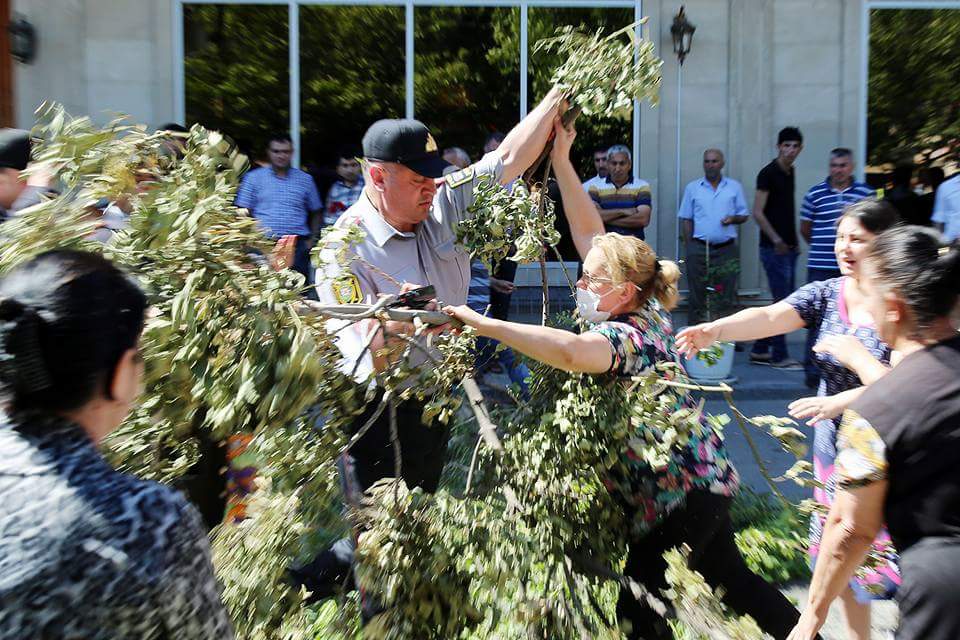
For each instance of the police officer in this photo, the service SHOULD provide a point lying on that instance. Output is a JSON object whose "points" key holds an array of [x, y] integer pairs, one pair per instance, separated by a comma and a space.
{"points": [[408, 212]]}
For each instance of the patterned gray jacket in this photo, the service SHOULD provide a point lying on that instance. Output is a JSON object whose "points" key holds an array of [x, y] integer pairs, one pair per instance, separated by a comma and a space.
{"points": [[89, 552]]}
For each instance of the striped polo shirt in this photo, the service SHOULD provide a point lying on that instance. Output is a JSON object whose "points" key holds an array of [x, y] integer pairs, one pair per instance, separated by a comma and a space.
{"points": [[634, 193], [823, 206]]}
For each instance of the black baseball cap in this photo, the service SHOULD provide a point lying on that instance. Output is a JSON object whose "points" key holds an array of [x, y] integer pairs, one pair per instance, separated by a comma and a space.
{"points": [[407, 142], [14, 149]]}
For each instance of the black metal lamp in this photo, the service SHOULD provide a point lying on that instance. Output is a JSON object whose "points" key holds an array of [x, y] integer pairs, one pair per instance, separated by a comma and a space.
{"points": [[682, 32], [23, 40]]}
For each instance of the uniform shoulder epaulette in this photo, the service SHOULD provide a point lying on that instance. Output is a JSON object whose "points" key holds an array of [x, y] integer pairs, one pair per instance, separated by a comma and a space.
{"points": [[459, 177]]}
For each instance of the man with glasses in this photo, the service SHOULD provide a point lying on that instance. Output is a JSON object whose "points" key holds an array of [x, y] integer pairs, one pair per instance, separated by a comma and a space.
{"points": [[284, 200], [347, 189], [821, 209]]}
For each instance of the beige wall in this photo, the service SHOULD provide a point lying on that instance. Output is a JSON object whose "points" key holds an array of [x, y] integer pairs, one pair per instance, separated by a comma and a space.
{"points": [[756, 66], [98, 57]]}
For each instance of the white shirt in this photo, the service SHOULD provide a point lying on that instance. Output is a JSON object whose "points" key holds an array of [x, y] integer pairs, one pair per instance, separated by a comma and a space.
{"points": [[707, 206], [595, 181], [946, 207]]}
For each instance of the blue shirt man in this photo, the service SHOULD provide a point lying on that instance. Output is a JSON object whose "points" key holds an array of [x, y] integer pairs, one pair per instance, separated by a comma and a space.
{"points": [[821, 209], [284, 200], [710, 211]]}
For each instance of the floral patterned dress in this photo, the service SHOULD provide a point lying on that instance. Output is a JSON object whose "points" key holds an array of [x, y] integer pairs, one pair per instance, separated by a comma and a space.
{"points": [[640, 341], [822, 304]]}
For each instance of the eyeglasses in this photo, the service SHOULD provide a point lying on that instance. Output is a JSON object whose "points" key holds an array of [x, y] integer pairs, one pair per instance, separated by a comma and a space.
{"points": [[598, 279]]}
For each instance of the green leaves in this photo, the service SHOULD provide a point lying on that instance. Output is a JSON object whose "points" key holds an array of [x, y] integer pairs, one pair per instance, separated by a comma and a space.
{"points": [[502, 220], [224, 349], [605, 74]]}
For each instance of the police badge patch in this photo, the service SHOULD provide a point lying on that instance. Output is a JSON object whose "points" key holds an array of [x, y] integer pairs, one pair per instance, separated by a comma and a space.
{"points": [[346, 289]]}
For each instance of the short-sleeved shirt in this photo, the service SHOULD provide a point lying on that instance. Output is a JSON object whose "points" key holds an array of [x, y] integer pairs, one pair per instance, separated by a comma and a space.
{"points": [[946, 207], [340, 197], [822, 306], [905, 428], [89, 552], [640, 341], [387, 258], [632, 194], [595, 181], [823, 205], [707, 206], [281, 204], [780, 208]]}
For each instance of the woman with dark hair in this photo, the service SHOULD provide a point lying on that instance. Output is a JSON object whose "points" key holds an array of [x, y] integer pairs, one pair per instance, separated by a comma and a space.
{"points": [[85, 551], [850, 354], [899, 443]]}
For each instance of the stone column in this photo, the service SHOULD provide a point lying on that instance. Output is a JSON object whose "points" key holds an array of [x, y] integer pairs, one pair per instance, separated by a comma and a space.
{"points": [[751, 130]]}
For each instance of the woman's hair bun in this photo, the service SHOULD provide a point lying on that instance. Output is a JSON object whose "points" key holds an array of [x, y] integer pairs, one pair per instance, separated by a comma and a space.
{"points": [[22, 363]]}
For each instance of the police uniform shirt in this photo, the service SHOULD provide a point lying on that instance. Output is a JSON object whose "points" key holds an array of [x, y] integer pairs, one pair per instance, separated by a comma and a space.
{"points": [[387, 258]]}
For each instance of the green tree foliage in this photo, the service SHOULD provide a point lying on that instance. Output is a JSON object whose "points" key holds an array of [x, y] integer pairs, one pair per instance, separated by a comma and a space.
{"points": [[914, 96], [352, 69], [236, 71], [543, 22]]}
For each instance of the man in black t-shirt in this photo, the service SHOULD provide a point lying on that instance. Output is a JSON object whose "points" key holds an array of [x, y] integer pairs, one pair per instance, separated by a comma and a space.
{"points": [[775, 211]]}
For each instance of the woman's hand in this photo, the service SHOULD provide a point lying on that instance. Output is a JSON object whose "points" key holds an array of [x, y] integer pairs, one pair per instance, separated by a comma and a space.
{"points": [[562, 141], [817, 408], [467, 316], [848, 351], [693, 339]]}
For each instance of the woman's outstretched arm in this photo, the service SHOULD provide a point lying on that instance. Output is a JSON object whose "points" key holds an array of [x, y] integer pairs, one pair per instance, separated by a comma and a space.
{"points": [[587, 352]]}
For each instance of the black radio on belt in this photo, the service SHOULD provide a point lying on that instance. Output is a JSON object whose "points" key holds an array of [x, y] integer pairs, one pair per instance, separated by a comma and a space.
{"points": [[416, 298]]}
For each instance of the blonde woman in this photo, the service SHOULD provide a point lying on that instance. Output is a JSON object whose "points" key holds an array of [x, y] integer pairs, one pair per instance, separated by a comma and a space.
{"points": [[625, 295]]}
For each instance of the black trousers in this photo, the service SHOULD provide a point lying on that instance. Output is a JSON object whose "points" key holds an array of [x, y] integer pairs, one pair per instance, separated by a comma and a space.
{"points": [[500, 302], [423, 449], [703, 525]]}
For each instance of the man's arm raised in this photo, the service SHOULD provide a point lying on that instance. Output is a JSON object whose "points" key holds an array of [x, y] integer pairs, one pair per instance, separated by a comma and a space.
{"points": [[523, 144]]}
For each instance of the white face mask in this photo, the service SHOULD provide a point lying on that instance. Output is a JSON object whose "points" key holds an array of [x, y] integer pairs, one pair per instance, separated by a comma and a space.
{"points": [[587, 303]]}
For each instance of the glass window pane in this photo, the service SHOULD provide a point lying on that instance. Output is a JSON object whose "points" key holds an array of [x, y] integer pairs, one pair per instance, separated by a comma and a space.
{"points": [[236, 71], [591, 132], [467, 73], [914, 98], [352, 73]]}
